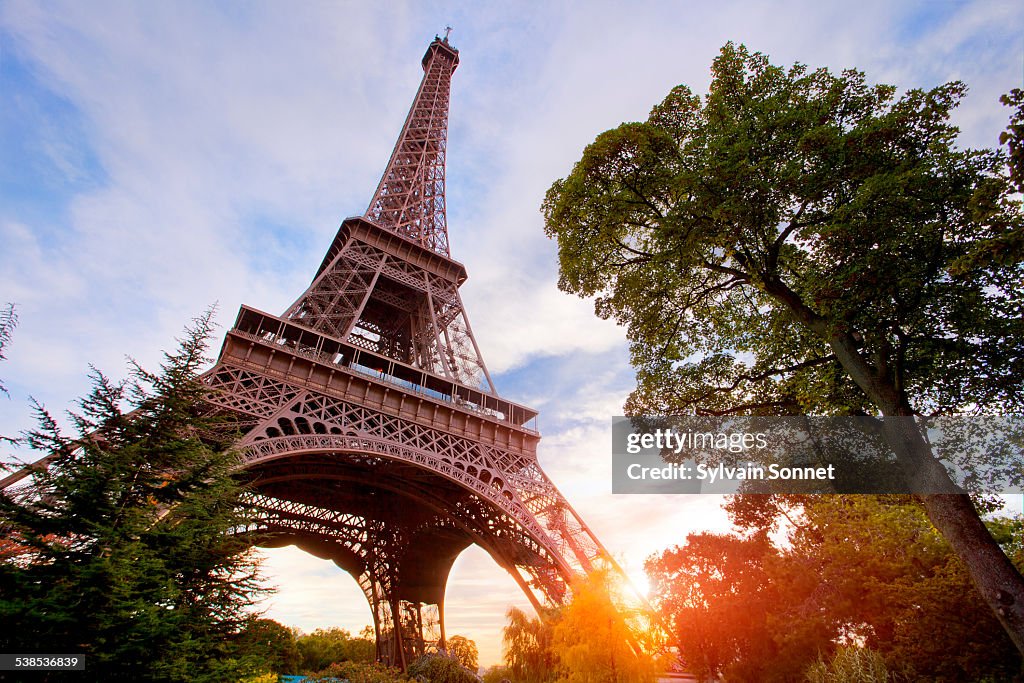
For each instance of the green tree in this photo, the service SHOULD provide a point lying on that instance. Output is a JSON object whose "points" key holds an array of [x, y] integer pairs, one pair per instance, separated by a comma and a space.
{"points": [[528, 645], [123, 549], [464, 651], [1006, 245], [853, 569], [884, 577], [592, 641], [801, 242], [323, 647], [275, 643], [1013, 138], [1009, 533]]}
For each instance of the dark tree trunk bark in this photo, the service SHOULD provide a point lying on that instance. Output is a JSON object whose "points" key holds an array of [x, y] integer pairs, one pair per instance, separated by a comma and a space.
{"points": [[949, 509], [995, 577]]}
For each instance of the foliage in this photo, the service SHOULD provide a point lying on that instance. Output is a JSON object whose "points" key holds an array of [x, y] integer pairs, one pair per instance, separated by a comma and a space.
{"points": [[275, 643], [588, 640], [1009, 534], [8, 321], [850, 665], [124, 549], [898, 588], [796, 218], [261, 678], [591, 639], [1013, 137], [862, 570], [323, 647], [359, 672], [718, 595], [498, 674], [801, 242], [440, 669], [528, 643], [1006, 245], [463, 650]]}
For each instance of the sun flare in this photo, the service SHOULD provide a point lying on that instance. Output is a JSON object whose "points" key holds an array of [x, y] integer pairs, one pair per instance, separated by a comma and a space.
{"points": [[638, 578]]}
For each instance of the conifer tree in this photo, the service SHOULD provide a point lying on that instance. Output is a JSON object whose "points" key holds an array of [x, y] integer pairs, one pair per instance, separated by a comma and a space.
{"points": [[124, 547]]}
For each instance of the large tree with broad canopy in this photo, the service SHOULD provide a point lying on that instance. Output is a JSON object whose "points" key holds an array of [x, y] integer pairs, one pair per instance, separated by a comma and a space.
{"points": [[803, 242]]}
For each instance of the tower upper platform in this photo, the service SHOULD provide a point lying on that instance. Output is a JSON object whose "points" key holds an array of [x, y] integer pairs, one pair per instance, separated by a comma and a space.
{"points": [[440, 44]]}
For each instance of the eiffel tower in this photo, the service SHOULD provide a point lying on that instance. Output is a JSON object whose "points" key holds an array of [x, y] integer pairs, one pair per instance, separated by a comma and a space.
{"points": [[373, 434]]}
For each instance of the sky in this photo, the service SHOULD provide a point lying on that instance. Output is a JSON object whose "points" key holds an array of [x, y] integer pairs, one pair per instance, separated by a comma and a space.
{"points": [[158, 158]]}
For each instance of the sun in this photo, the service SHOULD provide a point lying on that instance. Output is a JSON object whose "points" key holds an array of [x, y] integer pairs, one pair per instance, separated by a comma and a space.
{"points": [[638, 578]]}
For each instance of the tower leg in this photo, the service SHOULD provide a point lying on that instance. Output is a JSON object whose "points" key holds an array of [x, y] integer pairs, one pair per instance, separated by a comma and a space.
{"points": [[405, 629], [404, 581]]}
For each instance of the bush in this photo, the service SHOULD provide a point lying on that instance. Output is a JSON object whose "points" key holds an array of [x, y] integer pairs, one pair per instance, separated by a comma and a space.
{"points": [[323, 647], [850, 665], [440, 669], [498, 674], [359, 672]]}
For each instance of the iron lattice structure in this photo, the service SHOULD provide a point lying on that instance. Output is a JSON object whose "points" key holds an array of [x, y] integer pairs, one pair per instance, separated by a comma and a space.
{"points": [[410, 197], [373, 435]]}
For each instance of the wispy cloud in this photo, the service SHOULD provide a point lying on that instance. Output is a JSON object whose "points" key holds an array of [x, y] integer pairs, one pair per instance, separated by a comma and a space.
{"points": [[171, 155]]}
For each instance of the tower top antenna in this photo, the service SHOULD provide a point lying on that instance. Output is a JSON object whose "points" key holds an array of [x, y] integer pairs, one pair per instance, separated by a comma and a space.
{"points": [[447, 32]]}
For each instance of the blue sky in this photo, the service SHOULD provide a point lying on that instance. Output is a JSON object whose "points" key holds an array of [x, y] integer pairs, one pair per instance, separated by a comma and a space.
{"points": [[159, 157]]}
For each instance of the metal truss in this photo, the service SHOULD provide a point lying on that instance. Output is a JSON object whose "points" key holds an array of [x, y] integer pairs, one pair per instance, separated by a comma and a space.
{"points": [[509, 479], [377, 438], [378, 298], [410, 196], [371, 432]]}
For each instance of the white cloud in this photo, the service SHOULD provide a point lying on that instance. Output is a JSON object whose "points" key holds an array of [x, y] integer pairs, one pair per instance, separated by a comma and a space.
{"points": [[231, 140]]}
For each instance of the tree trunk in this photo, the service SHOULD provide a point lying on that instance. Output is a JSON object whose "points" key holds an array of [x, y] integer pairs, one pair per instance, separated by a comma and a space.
{"points": [[995, 577], [953, 514], [950, 510]]}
